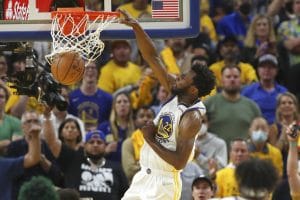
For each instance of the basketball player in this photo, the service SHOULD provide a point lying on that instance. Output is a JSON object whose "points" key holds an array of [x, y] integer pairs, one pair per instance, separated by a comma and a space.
{"points": [[170, 139]]}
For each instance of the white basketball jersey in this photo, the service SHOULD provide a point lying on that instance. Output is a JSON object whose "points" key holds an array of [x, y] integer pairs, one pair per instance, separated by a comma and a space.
{"points": [[167, 122]]}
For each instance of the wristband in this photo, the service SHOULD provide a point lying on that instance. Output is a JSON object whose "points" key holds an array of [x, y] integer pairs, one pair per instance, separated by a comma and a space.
{"points": [[293, 143], [50, 118]]}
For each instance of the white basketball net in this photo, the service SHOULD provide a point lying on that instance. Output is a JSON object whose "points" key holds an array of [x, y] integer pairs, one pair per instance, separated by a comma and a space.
{"points": [[86, 42]]}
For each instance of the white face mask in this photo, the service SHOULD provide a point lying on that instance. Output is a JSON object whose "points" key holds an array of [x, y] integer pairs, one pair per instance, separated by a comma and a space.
{"points": [[259, 136], [202, 130]]}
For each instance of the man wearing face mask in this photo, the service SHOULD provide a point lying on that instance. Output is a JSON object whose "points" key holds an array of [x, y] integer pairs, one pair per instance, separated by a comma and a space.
{"points": [[260, 148], [210, 150], [237, 22]]}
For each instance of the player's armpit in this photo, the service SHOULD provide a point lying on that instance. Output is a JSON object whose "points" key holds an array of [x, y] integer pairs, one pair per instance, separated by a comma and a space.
{"points": [[190, 124]]}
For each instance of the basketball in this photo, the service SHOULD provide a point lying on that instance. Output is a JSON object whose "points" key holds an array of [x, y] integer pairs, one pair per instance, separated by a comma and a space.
{"points": [[67, 68]]}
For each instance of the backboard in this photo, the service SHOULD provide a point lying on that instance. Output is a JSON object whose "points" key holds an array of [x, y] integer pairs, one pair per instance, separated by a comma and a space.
{"points": [[27, 20]]}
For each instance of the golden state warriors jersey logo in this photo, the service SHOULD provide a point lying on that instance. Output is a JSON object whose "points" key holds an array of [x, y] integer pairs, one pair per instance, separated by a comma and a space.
{"points": [[165, 127]]}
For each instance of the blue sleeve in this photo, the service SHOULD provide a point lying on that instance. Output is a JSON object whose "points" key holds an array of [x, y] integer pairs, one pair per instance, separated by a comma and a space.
{"points": [[220, 28], [104, 127], [12, 150], [12, 166], [71, 107], [245, 91], [108, 105]]}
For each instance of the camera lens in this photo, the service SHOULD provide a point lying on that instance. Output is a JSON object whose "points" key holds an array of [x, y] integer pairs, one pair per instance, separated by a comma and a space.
{"points": [[61, 105]]}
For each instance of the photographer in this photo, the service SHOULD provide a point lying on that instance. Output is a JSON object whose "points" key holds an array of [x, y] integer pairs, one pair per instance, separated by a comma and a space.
{"points": [[30, 82], [17, 104], [292, 133]]}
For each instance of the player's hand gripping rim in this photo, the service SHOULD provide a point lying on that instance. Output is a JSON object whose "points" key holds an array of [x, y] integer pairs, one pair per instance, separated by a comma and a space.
{"points": [[127, 19]]}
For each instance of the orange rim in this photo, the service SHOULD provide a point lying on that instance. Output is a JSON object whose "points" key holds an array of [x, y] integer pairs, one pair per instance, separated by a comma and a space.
{"points": [[77, 14], [80, 12]]}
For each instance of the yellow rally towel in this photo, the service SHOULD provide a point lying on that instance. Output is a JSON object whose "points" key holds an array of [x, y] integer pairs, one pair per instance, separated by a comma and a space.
{"points": [[137, 142]]}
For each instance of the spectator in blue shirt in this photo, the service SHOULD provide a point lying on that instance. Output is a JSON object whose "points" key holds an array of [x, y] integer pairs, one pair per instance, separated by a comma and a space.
{"points": [[265, 91], [10, 168], [237, 22]]}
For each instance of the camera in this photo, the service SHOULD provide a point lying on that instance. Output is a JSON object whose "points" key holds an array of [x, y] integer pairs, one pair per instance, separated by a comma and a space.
{"points": [[35, 80], [294, 130], [52, 90]]}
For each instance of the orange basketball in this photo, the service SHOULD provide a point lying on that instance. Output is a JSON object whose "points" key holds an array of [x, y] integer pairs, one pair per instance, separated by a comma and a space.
{"points": [[67, 68]]}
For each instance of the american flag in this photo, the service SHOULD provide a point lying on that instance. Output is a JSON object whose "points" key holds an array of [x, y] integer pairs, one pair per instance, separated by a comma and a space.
{"points": [[165, 9]]}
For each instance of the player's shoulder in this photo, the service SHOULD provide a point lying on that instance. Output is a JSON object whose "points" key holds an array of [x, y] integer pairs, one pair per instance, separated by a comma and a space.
{"points": [[171, 99], [192, 115]]}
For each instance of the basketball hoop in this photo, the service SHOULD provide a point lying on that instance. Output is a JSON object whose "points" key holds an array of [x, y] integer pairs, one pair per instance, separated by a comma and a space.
{"points": [[75, 30]]}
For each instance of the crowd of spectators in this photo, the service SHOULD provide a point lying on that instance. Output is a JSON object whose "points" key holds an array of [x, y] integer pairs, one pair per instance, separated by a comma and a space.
{"points": [[92, 149]]}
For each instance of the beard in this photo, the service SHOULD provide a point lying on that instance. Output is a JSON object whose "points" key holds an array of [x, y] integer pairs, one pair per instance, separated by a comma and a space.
{"points": [[94, 157], [178, 91], [232, 90]]}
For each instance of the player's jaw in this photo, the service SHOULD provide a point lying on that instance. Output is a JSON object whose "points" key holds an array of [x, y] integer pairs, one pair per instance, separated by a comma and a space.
{"points": [[179, 89]]}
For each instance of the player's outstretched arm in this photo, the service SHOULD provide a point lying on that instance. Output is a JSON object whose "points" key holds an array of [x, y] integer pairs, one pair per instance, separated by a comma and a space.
{"points": [[188, 128], [148, 51]]}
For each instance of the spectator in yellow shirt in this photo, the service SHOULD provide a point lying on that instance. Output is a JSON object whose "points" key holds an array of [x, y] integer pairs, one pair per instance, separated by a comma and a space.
{"points": [[119, 71], [131, 146], [225, 179], [175, 57], [260, 148], [230, 53], [206, 23]]}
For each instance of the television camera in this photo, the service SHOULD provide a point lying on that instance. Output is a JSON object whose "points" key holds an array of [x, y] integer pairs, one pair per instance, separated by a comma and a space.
{"points": [[35, 80]]}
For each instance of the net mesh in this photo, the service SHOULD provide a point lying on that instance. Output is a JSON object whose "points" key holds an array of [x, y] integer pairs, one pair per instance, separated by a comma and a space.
{"points": [[79, 34]]}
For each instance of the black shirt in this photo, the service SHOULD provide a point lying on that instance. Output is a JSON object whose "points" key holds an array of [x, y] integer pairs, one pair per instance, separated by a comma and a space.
{"points": [[104, 182]]}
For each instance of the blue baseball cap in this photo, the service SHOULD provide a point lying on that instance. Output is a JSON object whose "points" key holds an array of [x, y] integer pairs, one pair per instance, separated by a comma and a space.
{"points": [[94, 134]]}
